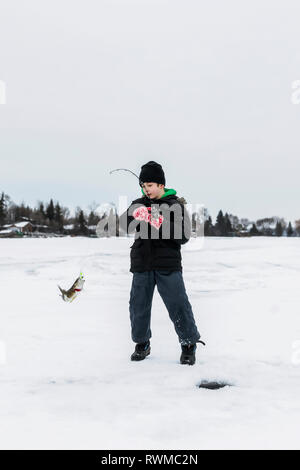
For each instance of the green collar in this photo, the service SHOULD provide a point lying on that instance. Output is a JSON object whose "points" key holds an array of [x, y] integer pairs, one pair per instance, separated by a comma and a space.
{"points": [[168, 192]]}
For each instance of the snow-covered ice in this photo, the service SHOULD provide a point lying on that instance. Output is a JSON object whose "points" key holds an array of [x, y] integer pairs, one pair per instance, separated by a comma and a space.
{"points": [[67, 381]]}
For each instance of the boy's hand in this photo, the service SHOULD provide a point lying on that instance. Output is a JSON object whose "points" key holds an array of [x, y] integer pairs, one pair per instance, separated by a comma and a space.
{"points": [[144, 213], [141, 213], [156, 220]]}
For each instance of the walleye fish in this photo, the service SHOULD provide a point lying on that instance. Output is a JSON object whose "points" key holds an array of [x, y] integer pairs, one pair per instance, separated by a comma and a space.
{"points": [[71, 294]]}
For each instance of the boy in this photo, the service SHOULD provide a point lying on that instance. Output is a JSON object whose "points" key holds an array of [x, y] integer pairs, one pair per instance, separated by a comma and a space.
{"points": [[162, 225]]}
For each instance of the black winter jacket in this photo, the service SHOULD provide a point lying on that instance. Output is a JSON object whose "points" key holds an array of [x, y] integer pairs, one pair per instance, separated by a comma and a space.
{"points": [[161, 249]]}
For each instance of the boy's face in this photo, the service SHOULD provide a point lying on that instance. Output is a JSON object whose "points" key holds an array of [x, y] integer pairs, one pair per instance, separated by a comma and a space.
{"points": [[153, 190]]}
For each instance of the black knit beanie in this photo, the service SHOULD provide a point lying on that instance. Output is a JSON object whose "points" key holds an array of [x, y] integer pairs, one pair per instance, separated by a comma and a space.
{"points": [[152, 172]]}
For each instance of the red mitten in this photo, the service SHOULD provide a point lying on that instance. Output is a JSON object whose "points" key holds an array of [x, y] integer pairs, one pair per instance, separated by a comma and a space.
{"points": [[156, 219], [142, 213], [156, 222]]}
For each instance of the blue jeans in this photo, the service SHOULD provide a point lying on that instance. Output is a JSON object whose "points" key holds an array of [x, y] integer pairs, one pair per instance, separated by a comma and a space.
{"points": [[170, 286]]}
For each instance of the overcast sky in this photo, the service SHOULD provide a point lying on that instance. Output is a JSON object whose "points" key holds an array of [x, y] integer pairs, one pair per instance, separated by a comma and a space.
{"points": [[203, 87]]}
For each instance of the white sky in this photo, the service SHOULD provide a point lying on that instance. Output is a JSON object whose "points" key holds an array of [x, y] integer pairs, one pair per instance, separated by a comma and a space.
{"points": [[202, 87]]}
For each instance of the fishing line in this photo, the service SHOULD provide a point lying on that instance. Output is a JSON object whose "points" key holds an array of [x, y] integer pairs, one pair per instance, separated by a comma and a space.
{"points": [[70, 294]]}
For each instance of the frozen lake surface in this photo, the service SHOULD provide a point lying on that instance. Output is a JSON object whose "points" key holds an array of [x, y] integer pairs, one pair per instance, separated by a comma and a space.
{"points": [[68, 382]]}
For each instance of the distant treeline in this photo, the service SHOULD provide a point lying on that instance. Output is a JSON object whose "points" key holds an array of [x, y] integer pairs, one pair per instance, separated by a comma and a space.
{"points": [[54, 218]]}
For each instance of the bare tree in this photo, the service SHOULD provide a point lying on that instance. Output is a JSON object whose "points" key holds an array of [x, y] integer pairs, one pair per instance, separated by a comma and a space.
{"points": [[297, 226]]}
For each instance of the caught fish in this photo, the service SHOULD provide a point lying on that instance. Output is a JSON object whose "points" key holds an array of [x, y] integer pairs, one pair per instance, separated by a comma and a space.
{"points": [[75, 289]]}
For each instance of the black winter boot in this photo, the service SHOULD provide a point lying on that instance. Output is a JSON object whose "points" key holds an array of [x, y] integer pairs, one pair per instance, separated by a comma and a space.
{"points": [[141, 351], [188, 354]]}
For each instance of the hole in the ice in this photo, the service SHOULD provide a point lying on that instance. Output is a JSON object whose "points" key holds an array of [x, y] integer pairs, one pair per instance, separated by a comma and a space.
{"points": [[214, 385]]}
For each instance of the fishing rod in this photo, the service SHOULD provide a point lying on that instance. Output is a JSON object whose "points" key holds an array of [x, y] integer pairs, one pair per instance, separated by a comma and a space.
{"points": [[124, 169], [140, 182], [70, 294]]}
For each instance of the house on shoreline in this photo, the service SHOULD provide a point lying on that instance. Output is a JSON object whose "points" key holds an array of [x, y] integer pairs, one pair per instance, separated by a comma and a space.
{"points": [[19, 229]]}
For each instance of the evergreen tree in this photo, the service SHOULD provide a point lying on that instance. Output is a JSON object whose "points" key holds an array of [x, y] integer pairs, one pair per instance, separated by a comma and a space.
{"points": [[290, 230], [81, 222], [22, 212], [42, 210], [3, 212], [50, 212], [93, 219], [220, 225], [278, 230], [58, 217], [227, 224], [254, 231], [208, 227]]}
